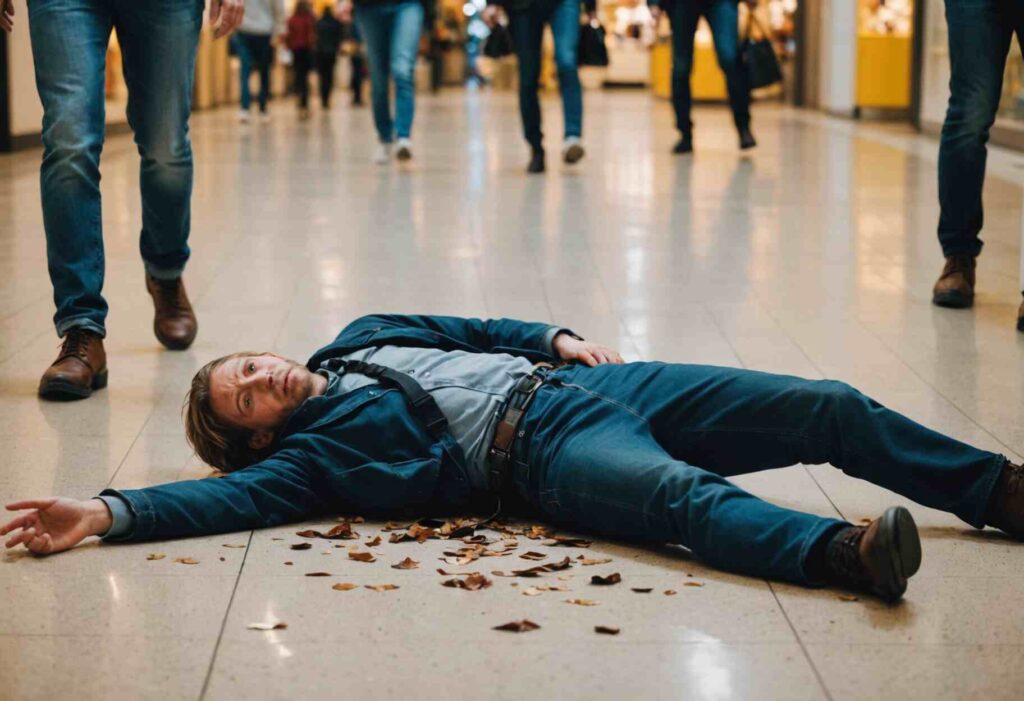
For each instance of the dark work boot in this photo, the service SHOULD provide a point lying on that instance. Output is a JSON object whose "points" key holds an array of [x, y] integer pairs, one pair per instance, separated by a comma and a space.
{"points": [[1006, 505], [536, 161], [685, 143], [955, 286], [877, 558], [80, 368], [174, 322], [747, 140]]}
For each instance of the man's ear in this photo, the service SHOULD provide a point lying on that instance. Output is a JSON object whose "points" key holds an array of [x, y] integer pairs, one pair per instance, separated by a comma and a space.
{"points": [[261, 439]]}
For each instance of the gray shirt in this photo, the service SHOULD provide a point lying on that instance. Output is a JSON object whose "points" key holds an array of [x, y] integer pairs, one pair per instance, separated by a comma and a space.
{"points": [[266, 17]]}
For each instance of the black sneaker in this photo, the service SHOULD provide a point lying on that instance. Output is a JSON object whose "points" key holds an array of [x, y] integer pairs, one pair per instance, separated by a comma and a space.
{"points": [[684, 145], [536, 162], [877, 558], [747, 140]]}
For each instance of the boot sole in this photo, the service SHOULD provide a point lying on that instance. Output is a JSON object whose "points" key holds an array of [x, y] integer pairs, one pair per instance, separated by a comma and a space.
{"points": [[174, 343], [573, 154], [61, 390], [899, 549], [952, 300]]}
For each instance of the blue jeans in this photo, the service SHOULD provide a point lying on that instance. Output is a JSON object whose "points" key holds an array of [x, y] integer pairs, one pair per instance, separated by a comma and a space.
{"points": [[723, 18], [642, 451], [254, 52], [527, 27], [980, 32], [391, 32], [69, 46]]}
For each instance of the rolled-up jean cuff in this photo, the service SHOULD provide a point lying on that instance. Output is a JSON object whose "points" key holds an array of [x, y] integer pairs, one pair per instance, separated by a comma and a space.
{"points": [[824, 527], [986, 488], [164, 273], [80, 322]]}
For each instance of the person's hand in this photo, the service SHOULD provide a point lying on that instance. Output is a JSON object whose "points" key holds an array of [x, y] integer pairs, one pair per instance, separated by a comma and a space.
{"points": [[490, 15], [56, 524], [656, 14], [591, 354], [344, 12], [7, 15], [225, 16]]}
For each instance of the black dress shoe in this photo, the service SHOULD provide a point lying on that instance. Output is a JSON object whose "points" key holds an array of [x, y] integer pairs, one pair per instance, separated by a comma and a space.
{"points": [[747, 140], [684, 145], [536, 162], [877, 558]]}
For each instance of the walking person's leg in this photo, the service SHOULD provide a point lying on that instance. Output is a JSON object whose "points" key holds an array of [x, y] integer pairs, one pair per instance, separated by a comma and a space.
{"points": [[979, 41], [527, 29], [358, 64], [325, 73], [69, 45], [683, 17], [264, 54], [405, 42], [375, 26], [565, 26], [302, 66], [723, 17], [243, 48], [158, 46]]}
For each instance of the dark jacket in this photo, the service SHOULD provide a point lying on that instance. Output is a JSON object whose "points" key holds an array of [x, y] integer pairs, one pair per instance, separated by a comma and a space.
{"points": [[520, 5], [364, 451], [429, 8], [329, 34]]}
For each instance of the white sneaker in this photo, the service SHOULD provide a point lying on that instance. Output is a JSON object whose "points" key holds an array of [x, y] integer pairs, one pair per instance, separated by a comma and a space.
{"points": [[382, 156], [572, 150], [404, 151], [243, 116]]}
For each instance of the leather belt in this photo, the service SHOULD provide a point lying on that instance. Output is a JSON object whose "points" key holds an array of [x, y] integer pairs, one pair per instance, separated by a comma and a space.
{"points": [[499, 457]]}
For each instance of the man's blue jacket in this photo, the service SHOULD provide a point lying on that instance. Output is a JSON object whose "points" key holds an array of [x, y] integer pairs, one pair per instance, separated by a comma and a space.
{"points": [[364, 451]]}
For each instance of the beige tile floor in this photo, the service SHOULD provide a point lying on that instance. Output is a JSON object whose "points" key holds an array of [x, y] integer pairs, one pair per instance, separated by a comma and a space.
{"points": [[813, 255]]}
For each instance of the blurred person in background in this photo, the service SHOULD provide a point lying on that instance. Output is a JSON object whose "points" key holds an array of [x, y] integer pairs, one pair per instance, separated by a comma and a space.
{"points": [[329, 35], [264, 20], [301, 40]]}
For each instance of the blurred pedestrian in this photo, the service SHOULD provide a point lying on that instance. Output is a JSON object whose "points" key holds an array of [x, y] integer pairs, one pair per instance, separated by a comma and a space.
{"points": [[301, 41], [264, 20], [329, 35]]}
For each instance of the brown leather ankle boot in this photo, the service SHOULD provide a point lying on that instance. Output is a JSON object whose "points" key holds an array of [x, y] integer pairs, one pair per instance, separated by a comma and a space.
{"points": [[80, 368], [1006, 505], [955, 286], [174, 323], [877, 558]]}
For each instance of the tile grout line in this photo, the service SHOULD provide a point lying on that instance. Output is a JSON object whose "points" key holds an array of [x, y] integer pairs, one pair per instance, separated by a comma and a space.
{"points": [[224, 622], [800, 642]]}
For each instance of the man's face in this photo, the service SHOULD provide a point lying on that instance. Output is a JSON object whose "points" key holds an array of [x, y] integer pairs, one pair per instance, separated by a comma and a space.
{"points": [[259, 392]]}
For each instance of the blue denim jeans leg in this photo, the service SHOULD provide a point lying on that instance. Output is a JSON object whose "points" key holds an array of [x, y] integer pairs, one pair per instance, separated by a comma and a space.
{"points": [[69, 43], [980, 32], [723, 18], [527, 27], [254, 52], [642, 451], [391, 32]]}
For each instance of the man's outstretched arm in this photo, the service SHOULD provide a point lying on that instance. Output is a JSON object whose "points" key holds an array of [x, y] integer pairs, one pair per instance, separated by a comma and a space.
{"points": [[55, 524]]}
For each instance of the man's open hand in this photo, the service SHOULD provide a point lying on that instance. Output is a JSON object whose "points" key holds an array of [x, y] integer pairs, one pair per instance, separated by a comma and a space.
{"points": [[7, 15], [225, 16], [591, 354], [56, 524]]}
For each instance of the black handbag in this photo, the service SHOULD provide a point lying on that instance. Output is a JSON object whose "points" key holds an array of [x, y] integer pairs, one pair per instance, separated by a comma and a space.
{"points": [[498, 43], [759, 59], [592, 49]]}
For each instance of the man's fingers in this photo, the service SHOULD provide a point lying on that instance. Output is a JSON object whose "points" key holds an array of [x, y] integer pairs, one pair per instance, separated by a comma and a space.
{"points": [[41, 544], [587, 358], [231, 17], [44, 503], [25, 536], [214, 11], [20, 522]]}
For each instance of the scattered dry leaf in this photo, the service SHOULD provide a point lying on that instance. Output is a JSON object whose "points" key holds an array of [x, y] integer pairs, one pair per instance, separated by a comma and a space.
{"points": [[613, 578], [318, 574], [309, 533], [607, 630], [343, 531], [586, 561], [406, 564], [670, 592], [289, 562], [233, 545], [222, 559], [643, 590], [393, 526], [532, 555], [693, 584], [361, 557], [582, 602], [848, 597], [373, 542], [568, 542], [381, 587], [155, 556], [473, 582], [523, 626], [301, 546], [344, 586], [446, 573], [186, 561], [268, 625], [357, 519]]}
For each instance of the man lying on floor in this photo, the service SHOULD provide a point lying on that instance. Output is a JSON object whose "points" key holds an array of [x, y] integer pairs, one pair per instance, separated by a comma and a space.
{"points": [[429, 413]]}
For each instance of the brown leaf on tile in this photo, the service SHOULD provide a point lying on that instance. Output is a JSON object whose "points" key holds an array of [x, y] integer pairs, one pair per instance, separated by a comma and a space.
{"points": [[155, 556], [446, 573], [473, 582], [643, 590], [381, 587], [568, 542], [301, 546], [693, 584], [233, 545], [357, 519], [318, 574], [309, 533], [537, 532], [551, 587], [607, 630], [393, 526], [613, 578], [362, 557], [421, 534], [289, 562], [477, 540], [562, 564], [344, 586], [406, 564], [848, 597], [400, 538], [223, 559], [269, 625], [582, 602], [523, 626], [533, 555], [587, 562], [373, 542], [277, 538], [186, 561], [343, 531], [670, 592]]}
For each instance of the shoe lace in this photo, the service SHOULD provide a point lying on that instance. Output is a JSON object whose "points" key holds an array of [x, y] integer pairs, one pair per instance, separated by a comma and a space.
{"points": [[76, 345], [1014, 478], [844, 555]]}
